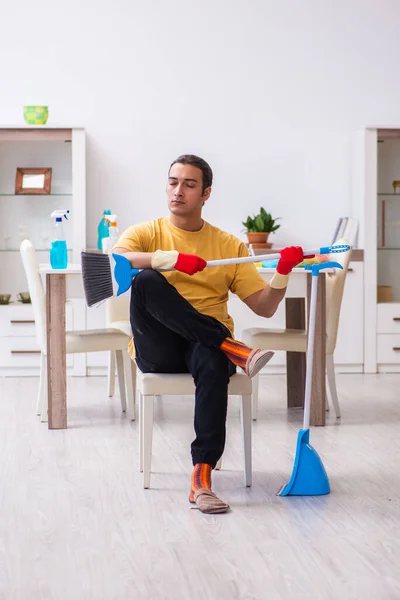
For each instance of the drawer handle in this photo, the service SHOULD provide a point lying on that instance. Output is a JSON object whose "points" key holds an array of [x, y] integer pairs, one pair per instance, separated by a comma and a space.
{"points": [[32, 351], [350, 270], [396, 318], [396, 349], [18, 322]]}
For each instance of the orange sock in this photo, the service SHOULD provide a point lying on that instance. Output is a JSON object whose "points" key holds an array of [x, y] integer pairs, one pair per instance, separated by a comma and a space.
{"points": [[201, 478], [236, 351]]}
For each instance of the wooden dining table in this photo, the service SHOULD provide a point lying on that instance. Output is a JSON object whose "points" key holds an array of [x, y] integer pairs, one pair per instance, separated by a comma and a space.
{"points": [[297, 293]]}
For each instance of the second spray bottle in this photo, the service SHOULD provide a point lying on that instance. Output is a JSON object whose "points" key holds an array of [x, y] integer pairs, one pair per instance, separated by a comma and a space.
{"points": [[109, 242]]}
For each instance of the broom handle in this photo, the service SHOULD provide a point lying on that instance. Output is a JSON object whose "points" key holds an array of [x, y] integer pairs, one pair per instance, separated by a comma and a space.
{"points": [[255, 259], [310, 350]]}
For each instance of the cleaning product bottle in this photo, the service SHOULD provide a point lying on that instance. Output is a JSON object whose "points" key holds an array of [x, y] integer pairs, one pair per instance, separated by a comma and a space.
{"points": [[58, 250], [103, 229], [109, 243]]}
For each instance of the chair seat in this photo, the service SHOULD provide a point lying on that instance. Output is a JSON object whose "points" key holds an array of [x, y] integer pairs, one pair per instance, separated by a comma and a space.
{"points": [[175, 384], [124, 326], [96, 340], [289, 340]]}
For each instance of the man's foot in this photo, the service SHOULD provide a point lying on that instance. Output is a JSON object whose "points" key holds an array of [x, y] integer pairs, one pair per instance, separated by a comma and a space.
{"points": [[207, 502], [257, 360], [201, 494], [251, 360]]}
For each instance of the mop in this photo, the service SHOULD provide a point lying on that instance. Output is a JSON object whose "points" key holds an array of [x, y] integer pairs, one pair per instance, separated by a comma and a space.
{"points": [[107, 275], [309, 477]]}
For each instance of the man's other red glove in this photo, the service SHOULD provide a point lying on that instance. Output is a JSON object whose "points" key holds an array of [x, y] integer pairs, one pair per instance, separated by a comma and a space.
{"points": [[290, 257], [190, 263]]}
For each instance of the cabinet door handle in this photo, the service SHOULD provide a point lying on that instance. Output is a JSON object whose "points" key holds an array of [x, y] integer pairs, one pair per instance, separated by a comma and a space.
{"points": [[396, 318], [32, 351], [350, 270], [396, 349], [19, 322]]}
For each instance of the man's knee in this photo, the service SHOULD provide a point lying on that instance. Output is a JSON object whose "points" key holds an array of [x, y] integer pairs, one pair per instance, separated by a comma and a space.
{"points": [[210, 362], [148, 278]]}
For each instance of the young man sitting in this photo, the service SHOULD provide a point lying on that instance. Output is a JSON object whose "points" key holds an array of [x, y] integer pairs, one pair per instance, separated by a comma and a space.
{"points": [[179, 316]]}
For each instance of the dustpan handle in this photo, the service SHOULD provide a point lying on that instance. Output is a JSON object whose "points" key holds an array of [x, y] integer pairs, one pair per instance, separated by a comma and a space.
{"points": [[310, 350]]}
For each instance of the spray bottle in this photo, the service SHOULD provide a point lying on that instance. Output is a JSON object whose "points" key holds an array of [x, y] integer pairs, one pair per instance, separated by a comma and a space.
{"points": [[58, 250], [103, 229], [109, 243]]}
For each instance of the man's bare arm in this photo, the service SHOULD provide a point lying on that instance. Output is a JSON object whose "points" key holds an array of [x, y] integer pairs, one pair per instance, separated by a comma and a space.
{"points": [[265, 302], [139, 260], [164, 260]]}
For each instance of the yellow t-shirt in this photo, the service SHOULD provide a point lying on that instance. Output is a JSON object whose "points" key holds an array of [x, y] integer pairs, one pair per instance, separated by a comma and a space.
{"points": [[208, 290]]}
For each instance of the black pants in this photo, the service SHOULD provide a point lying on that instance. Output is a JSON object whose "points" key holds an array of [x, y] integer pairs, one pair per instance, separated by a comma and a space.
{"points": [[171, 336]]}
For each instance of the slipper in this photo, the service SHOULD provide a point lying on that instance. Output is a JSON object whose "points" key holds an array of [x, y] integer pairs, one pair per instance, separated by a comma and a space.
{"points": [[257, 360], [207, 502]]}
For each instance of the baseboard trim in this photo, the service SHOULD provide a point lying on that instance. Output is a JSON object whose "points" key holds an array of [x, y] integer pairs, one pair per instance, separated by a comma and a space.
{"points": [[388, 368]]}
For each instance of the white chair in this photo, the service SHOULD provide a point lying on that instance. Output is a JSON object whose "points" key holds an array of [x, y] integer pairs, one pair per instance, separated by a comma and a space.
{"points": [[117, 317], [149, 385], [98, 340], [295, 340], [350, 232]]}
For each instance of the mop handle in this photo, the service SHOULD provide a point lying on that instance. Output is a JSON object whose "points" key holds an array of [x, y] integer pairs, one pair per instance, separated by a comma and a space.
{"points": [[260, 258], [315, 269]]}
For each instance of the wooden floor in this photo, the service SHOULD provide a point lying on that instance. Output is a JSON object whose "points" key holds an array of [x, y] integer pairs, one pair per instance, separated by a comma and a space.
{"points": [[76, 524]]}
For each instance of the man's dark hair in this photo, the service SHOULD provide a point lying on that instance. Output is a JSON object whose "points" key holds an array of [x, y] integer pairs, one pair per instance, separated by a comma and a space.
{"points": [[200, 163]]}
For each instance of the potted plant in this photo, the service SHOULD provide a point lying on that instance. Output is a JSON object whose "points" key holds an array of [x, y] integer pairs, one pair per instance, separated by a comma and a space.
{"points": [[259, 227]]}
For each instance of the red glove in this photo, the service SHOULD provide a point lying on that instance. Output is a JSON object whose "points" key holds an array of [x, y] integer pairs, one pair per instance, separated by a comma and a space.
{"points": [[290, 257], [190, 263]]}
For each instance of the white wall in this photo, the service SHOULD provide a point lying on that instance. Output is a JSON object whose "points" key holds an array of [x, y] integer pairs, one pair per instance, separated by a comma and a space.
{"points": [[268, 91]]}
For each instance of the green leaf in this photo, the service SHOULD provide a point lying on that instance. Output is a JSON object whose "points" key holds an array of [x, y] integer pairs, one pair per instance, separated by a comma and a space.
{"points": [[259, 223]]}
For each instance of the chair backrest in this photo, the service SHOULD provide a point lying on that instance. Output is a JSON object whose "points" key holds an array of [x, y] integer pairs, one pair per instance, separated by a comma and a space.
{"points": [[118, 309], [346, 228], [334, 294], [36, 291], [351, 231]]}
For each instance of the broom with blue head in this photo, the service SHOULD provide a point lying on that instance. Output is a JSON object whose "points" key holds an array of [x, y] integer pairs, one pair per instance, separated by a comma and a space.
{"points": [[107, 275]]}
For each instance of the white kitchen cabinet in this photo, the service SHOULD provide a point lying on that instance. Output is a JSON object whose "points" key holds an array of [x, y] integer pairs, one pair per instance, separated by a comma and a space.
{"points": [[388, 318], [388, 337], [28, 216], [19, 350]]}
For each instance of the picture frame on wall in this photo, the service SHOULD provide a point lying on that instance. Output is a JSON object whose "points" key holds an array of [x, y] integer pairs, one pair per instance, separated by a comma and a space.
{"points": [[33, 181]]}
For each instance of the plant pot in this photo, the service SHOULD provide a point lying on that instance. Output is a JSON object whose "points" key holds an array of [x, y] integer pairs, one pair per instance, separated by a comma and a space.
{"points": [[257, 249], [267, 245], [259, 237], [36, 115]]}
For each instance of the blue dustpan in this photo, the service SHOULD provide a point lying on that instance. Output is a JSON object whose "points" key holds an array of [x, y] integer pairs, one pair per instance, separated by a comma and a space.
{"points": [[309, 477], [123, 273]]}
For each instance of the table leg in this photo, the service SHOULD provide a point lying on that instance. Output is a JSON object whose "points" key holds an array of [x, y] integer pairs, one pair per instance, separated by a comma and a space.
{"points": [[318, 393], [295, 361], [56, 351]]}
